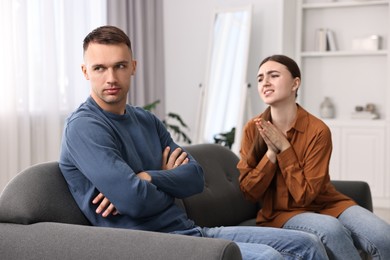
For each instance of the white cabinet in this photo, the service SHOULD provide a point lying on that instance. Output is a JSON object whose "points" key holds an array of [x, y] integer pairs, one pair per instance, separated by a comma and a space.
{"points": [[350, 77], [359, 153]]}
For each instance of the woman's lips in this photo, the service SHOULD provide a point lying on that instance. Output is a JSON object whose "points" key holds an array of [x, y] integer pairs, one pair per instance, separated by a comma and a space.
{"points": [[268, 92]]}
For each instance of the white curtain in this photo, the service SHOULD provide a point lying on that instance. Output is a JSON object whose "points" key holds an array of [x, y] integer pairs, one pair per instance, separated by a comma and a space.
{"points": [[41, 79]]}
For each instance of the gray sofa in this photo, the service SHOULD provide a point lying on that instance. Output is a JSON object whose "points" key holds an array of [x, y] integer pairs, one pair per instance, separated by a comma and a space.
{"points": [[40, 220]]}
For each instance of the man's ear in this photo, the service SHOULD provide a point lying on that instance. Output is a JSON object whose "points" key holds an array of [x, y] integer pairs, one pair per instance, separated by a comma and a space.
{"points": [[84, 70], [134, 64]]}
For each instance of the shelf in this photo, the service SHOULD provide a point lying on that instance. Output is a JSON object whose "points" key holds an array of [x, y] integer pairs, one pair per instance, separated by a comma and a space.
{"points": [[355, 122], [336, 73], [344, 4], [343, 53], [350, 76]]}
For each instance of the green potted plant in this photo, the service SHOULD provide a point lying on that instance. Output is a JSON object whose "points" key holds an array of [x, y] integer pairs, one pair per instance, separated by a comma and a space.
{"points": [[173, 122], [226, 138]]}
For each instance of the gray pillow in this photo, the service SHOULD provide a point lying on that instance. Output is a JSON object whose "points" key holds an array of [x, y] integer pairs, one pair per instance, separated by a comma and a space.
{"points": [[39, 194]]}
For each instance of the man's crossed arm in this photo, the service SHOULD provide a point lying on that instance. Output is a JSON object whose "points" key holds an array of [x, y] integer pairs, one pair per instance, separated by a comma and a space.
{"points": [[178, 157]]}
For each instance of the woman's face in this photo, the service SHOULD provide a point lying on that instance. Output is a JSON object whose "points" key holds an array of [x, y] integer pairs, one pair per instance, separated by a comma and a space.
{"points": [[276, 84]]}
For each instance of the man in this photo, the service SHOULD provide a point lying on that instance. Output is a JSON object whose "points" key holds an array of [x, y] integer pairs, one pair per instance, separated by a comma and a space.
{"points": [[125, 171]]}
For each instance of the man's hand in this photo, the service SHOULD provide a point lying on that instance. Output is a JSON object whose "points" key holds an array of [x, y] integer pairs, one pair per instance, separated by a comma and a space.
{"points": [[177, 158], [105, 207]]}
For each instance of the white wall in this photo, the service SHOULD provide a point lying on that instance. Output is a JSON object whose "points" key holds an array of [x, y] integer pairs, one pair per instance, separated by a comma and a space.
{"points": [[188, 24]]}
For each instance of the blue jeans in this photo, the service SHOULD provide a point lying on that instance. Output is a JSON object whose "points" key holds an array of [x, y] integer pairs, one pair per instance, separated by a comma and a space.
{"points": [[355, 229], [266, 243]]}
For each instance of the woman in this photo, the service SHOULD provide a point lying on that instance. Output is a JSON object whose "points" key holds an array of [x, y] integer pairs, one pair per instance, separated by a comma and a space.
{"points": [[284, 165]]}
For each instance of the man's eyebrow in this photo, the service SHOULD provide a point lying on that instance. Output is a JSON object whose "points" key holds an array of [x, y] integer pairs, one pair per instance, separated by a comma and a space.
{"points": [[97, 65], [268, 72], [122, 62], [116, 63]]}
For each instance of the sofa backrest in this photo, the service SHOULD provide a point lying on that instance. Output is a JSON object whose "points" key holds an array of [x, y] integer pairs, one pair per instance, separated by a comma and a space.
{"points": [[221, 203], [39, 194], [359, 191]]}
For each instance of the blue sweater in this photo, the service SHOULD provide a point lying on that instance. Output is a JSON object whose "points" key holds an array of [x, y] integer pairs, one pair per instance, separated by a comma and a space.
{"points": [[103, 152]]}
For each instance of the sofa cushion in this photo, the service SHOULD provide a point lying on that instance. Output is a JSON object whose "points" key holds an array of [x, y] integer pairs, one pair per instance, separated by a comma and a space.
{"points": [[39, 194], [221, 203], [63, 241]]}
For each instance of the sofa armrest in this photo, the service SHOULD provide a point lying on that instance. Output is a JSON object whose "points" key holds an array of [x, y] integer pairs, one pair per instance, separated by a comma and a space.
{"points": [[67, 241], [359, 191]]}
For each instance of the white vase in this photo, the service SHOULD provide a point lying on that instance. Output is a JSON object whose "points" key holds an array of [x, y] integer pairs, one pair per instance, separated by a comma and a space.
{"points": [[327, 109]]}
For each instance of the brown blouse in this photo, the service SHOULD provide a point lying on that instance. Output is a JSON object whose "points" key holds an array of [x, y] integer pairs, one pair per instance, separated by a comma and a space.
{"points": [[299, 181]]}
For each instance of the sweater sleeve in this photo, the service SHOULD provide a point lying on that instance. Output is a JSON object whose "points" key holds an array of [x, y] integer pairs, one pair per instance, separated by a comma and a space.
{"points": [[93, 149], [180, 182]]}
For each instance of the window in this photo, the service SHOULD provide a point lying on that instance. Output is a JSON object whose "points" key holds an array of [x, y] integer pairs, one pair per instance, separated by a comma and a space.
{"points": [[40, 58]]}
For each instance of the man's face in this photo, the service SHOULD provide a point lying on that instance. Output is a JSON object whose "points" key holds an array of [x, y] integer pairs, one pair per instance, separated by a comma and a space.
{"points": [[109, 69]]}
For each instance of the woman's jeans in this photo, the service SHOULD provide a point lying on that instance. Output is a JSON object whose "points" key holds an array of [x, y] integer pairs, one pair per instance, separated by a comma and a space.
{"points": [[266, 243], [355, 229]]}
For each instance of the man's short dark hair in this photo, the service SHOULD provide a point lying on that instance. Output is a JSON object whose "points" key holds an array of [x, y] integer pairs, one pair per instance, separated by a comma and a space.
{"points": [[106, 35]]}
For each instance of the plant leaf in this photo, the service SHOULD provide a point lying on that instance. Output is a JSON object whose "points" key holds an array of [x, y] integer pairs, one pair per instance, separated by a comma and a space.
{"points": [[178, 118], [151, 106]]}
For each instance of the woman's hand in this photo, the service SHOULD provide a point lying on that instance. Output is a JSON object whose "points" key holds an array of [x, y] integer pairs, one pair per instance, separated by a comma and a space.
{"points": [[276, 141]]}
